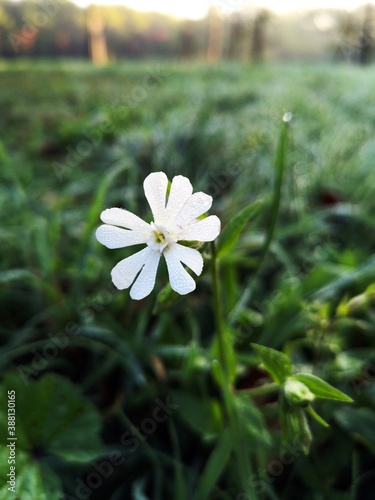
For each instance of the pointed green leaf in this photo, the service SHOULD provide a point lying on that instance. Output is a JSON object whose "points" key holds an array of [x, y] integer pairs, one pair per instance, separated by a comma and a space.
{"points": [[214, 466], [320, 388], [276, 363], [231, 233]]}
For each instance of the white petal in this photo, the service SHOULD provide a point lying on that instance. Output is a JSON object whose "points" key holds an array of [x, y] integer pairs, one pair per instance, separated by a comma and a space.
{"points": [[123, 218], [145, 282], [124, 273], [196, 205], [180, 279], [116, 237], [189, 256], [181, 190], [203, 230], [155, 186]]}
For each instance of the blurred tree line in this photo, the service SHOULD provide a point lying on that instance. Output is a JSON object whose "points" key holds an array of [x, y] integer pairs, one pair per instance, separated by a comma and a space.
{"points": [[58, 28]]}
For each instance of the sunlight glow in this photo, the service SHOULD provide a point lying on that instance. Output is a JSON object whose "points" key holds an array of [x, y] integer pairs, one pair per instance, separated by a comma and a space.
{"points": [[197, 9], [295, 5], [193, 9]]}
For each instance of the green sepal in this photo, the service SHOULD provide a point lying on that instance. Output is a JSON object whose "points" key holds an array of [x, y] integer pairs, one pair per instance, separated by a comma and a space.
{"points": [[276, 363]]}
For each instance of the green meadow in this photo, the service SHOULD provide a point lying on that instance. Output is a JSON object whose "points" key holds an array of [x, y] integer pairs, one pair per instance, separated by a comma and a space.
{"points": [[118, 399]]}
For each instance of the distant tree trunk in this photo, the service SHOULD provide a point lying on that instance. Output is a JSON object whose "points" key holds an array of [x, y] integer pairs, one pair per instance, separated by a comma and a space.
{"points": [[247, 34], [259, 36], [216, 36], [348, 31], [186, 40], [366, 41], [239, 38], [97, 40]]}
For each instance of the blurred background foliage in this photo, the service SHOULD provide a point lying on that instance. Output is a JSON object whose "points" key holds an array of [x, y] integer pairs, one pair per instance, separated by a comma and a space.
{"points": [[38, 28], [95, 373]]}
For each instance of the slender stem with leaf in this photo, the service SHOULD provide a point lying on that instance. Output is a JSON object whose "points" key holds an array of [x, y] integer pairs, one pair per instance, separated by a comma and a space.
{"points": [[280, 162], [221, 370], [218, 311]]}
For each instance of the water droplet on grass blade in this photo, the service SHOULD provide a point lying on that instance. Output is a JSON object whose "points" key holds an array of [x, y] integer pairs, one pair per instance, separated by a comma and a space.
{"points": [[287, 117]]}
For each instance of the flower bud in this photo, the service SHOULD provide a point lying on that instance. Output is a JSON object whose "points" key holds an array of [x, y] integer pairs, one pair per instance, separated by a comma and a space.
{"points": [[297, 393]]}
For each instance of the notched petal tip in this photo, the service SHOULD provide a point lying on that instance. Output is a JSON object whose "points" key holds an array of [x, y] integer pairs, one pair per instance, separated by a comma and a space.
{"points": [[145, 282], [180, 192], [117, 237], [123, 218], [125, 271], [207, 229], [155, 187], [180, 280], [195, 206], [188, 256]]}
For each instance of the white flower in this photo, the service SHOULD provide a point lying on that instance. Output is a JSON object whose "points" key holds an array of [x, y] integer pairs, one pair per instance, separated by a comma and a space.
{"points": [[174, 220]]}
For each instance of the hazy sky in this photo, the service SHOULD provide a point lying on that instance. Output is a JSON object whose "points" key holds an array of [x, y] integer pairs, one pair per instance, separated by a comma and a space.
{"points": [[198, 8]]}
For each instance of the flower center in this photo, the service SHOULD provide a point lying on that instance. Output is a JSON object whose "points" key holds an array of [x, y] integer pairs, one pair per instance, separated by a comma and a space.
{"points": [[160, 237]]}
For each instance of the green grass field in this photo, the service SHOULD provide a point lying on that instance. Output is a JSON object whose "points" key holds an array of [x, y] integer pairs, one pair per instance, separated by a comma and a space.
{"points": [[91, 368]]}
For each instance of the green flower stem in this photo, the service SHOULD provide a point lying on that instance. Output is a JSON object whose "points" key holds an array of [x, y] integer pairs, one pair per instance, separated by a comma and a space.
{"points": [[355, 474], [158, 456], [280, 165], [218, 310], [236, 431], [180, 486], [222, 372], [260, 391]]}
